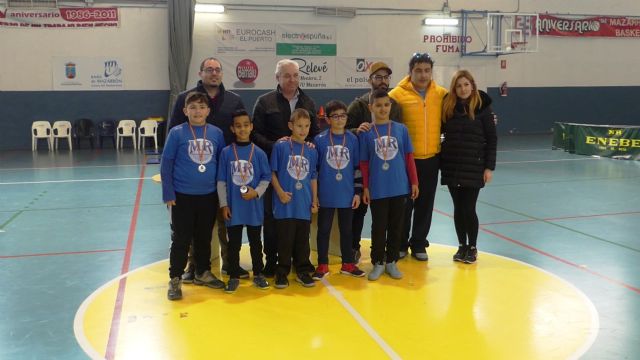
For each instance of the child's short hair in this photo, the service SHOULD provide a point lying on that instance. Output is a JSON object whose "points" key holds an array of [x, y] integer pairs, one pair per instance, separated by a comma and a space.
{"points": [[335, 105], [377, 94], [196, 96], [240, 112], [299, 114]]}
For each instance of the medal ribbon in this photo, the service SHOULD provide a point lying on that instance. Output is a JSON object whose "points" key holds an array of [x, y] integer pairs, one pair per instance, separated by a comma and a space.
{"points": [[195, 139], [379, 140], [243, 176], [298, 167], [344, 141]]}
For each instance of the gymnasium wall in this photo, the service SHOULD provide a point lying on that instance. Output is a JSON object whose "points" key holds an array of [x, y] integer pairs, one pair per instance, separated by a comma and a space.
{"points": [[570, 79]]}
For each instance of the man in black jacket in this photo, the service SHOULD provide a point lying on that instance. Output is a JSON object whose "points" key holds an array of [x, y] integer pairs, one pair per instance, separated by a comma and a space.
{"points": [[223, 104], [270, 122]]}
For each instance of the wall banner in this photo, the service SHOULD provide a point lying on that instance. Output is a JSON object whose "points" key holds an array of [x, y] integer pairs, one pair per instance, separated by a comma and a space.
{"points": [[353, 72], [87, 73], [306, 40], [248, 72], [67, 18], [602, 26], [245, 39], [316, 72]]}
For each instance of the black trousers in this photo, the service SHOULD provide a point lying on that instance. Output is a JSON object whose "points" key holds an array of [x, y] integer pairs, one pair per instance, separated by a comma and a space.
{"points": [[465, 217], [269, 229], [387, 221], [325, 221], [293, 242], [422, 207], [235, 243], [193, 217], [357, 224]]}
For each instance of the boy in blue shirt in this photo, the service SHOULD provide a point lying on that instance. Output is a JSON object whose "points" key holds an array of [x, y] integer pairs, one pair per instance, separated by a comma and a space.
{"points": [[293, 163], [337, 163], [188, 169], [388, 176], [243, 176]]}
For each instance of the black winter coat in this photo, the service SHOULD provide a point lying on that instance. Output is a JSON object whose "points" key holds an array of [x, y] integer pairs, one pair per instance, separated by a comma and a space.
{"points": [[469, 146]]}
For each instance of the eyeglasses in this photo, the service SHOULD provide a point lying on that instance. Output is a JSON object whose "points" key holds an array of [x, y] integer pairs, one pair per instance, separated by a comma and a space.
{"points": [[338, 117], [210, 70], [381, 77]]}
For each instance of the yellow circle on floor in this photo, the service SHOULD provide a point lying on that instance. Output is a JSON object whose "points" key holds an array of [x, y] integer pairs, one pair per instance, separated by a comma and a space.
{"points": [[498, 308]]}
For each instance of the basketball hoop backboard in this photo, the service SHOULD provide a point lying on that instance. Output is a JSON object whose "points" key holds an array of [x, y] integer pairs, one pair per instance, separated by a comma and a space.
{"points": [[499, 33]]}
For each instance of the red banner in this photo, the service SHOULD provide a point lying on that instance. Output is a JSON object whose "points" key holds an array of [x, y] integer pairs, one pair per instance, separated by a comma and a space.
{"points": [[603, 26], [60, 18]]}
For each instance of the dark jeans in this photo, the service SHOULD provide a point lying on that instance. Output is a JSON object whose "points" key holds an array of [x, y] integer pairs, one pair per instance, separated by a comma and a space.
{"points": [[387, 220], [464, 213], [422, 207], [325, 221], [293, 241], [269, 229], [235, 243], [193, 217], [358, 224], [222, 240]]}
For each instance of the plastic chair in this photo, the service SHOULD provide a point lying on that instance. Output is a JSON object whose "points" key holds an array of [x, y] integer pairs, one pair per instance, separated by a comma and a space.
{"points": [[84, 129], [148, 128], [61, 130], [107, 129], [126, 128], [40, 130]]}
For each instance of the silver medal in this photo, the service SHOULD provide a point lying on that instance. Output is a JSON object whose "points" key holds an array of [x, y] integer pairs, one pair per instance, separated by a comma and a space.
{"points": [[244, 189], [385, 166], [298, 185], [202, 168], [339, 176]]}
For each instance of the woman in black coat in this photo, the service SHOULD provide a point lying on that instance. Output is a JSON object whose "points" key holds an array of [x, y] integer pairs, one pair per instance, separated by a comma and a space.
{"points": [[468, 156]]}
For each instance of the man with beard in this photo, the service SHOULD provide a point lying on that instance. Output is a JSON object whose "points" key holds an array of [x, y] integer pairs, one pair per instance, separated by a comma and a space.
{"points": [[359, 120], [223, 104]]}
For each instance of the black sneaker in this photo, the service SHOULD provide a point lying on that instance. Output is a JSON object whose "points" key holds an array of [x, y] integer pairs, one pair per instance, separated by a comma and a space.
{"points": [[471, 256], [242, 273], [460, 254], [269, 270], [305, 279], [282, 282], [232, 286], [175, 291], [260, 282]]}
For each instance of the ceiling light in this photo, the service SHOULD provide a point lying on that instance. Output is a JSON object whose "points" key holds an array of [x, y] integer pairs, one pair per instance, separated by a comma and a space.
{"points": [[210, 8], [442, 22]]}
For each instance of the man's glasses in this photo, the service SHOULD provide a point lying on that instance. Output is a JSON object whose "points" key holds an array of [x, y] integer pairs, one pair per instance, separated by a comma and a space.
{"points": [[381, 77], [338, 117], [211, 70]]}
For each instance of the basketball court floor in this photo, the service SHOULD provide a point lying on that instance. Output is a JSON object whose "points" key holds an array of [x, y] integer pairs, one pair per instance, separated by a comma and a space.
{"points": [[83, 260]]}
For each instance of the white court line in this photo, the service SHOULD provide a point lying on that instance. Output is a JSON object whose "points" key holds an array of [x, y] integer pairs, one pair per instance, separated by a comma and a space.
{"points": [[338, 295], [542, 161], [71, 181], [68, 167]]}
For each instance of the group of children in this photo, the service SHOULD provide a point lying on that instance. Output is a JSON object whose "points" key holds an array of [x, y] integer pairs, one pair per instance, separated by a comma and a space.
{"points": [[323, 177]]}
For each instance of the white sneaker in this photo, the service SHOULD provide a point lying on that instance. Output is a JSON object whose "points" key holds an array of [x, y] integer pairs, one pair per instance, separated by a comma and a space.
{"points": [[392, 269], [378, 270]]}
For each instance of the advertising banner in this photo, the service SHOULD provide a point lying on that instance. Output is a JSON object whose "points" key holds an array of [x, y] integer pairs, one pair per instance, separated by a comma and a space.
{"points": [[248, 72], [87, 73], [66, 18], [602, 26], [245, 39], [316, 72], [306, 40], [353, 72], [616, 141]]}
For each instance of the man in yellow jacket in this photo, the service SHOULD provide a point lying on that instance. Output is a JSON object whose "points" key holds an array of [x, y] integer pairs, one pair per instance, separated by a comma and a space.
{"points": [[420, 99]]}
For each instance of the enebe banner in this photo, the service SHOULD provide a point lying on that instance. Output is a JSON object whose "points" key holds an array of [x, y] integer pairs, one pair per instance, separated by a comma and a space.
{"points": [[69, 18], [603, 26], [616, 141]]}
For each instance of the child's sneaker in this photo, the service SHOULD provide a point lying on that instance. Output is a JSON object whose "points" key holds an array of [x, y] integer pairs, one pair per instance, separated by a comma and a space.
{"points": [[175, 289], [392, 269], [281, 281], [188, 276], [232, 286], [321, 271], [208, 279], [471, 256], [378, 270], [351, 269], [460, 254], [305, 280], [260, 282]]}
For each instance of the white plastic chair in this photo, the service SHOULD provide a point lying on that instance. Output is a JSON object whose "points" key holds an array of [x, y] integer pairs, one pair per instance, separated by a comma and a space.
{"points": [[40, 130], [61, 129], [148, 128], [126, 128]]}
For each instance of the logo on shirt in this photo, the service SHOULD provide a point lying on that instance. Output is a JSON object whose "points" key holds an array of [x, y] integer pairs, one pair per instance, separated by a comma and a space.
{"points": [[204, 147], [298, 167], [338, 156], [386, 145], [241, 169]]}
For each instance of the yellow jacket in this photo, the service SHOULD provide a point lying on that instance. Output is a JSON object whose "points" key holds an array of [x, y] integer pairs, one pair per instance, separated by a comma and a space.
{"points": [[422, 117]]}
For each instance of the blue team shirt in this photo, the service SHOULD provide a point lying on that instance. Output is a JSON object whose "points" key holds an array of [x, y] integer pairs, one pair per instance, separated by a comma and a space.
{"points": [[331, 192], [181, 158], [288, 165], [242, 172], [395, 181]]}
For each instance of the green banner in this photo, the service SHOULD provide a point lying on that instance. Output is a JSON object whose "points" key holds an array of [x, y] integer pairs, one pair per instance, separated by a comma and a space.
{"points": [[602, 140], [286, 49]]}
